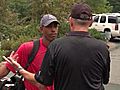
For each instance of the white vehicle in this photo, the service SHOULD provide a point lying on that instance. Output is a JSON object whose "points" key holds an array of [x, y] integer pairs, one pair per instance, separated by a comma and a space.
{"points": [[108, 23]]}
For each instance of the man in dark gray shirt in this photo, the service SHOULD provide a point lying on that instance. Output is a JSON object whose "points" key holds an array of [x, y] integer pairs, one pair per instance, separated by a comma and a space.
{"points": [[76, 61]]}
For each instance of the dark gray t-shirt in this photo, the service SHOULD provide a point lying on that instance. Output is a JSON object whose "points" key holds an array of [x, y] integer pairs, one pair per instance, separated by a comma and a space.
{"points": [[75, 62]]}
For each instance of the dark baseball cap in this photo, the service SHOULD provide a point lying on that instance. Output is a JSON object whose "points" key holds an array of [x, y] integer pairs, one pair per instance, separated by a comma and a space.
{"points": [[48, 19], [81, 11]]}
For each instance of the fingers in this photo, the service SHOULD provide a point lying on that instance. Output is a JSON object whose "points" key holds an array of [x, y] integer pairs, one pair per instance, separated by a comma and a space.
{"points": [[14, 56], [14, 63], [12, 60], [12, 53]]}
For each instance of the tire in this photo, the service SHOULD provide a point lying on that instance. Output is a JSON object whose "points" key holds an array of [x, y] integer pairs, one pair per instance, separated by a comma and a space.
{"points": [[108, 35]]}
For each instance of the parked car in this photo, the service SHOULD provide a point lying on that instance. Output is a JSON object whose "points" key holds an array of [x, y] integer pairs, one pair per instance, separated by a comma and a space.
{"points": [[108, 23]]}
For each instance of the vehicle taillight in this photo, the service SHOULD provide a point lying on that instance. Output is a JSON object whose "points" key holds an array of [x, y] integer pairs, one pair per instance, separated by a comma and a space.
{"points": [[116, 26]]}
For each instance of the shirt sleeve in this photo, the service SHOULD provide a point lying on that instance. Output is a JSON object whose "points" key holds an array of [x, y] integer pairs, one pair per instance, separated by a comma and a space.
{"points": [[46, 74], [106, 73]]}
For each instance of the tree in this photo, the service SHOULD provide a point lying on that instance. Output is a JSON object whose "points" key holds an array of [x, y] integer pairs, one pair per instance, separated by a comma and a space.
{"points": [[3, 10], [99, 6], [116, 5]]}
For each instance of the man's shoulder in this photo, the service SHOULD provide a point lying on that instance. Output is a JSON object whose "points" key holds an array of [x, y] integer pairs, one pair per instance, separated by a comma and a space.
{"points": [[25, 45], [28, 43], [100, 43], [59, 40]]}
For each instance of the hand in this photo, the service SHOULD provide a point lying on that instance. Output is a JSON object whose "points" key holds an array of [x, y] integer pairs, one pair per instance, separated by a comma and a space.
{"points": [[12, 59]]}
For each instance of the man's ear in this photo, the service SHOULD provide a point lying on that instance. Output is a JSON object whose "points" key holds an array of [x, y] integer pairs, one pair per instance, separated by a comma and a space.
{"points": [[41, 29], [71, 21]]}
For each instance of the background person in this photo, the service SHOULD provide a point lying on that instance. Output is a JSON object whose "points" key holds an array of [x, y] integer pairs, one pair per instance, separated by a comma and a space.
{"points": [[49, 29]]}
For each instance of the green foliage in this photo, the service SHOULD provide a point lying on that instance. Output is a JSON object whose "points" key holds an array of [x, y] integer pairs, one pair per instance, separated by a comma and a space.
{"points": [[30, 30], [116, 5], [20, 7], [3, 10], [100, 6], [10, 45], [63, 29], [13, 44], [94, 33], [2, 52], [6, 44]]}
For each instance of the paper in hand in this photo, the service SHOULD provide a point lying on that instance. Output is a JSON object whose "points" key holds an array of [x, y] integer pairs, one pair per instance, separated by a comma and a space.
{"points": [[6, 59]]}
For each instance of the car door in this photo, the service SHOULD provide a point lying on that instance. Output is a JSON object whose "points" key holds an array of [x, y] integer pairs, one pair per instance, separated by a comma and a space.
{"points": [[95, 22], [102, 23]]}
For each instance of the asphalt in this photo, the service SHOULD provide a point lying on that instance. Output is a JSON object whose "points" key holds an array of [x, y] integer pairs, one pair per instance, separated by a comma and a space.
{"points": [[112, 86], [114, 82]]}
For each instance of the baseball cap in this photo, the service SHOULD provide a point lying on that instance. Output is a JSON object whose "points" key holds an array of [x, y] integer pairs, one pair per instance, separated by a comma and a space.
{"points": [[81, 11], [47, 19]]}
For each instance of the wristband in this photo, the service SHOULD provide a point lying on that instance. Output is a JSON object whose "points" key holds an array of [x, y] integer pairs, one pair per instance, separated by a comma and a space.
{"points": [[18, 69]]}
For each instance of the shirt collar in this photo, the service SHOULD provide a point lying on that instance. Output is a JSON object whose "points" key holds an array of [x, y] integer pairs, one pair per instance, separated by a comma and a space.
{"points": [[78, 33]]}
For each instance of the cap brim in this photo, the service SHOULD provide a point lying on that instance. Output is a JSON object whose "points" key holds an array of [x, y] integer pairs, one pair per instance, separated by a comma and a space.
{"points": [[50, 21]]}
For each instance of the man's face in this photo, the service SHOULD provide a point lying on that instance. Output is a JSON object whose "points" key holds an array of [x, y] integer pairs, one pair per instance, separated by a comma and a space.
{"points": [[50, 32]]}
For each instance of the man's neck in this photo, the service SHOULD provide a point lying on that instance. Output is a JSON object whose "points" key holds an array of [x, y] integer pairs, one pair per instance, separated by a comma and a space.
{"points": [[85, 29], [45, 42]]}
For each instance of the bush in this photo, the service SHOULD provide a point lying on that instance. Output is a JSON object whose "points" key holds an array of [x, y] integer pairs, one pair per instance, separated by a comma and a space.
{"points": [[63, 29], [9, 45], [94, 33], [2, 52]]}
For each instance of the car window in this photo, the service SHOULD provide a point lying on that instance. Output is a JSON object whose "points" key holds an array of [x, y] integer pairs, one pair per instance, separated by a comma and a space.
{"points": [[96, 18], [112, 19], [103, 19], [118, 19]]}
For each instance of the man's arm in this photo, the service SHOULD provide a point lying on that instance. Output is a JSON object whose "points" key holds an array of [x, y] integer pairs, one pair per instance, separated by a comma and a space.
{"points": [[3, 69], [106, 74], [30, 77], [27, 75]]}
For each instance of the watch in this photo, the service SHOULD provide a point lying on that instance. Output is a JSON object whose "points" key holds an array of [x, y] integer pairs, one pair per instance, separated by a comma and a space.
{"points": [[18, 69]]}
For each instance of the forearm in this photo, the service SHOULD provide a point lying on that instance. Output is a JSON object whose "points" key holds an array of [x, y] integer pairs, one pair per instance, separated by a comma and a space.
{"points": [[28, 76]]}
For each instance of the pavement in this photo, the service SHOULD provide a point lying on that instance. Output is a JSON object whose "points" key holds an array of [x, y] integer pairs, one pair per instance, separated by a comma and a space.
{"points": [[112, 45], [112, 86], [114, 83]]}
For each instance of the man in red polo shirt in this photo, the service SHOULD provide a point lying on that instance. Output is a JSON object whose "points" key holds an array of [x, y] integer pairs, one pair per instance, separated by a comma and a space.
{"points": [[49, 28]]}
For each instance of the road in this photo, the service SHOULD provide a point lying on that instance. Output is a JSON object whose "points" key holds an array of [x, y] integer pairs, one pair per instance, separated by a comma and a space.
{"points": [[115, 68]]}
